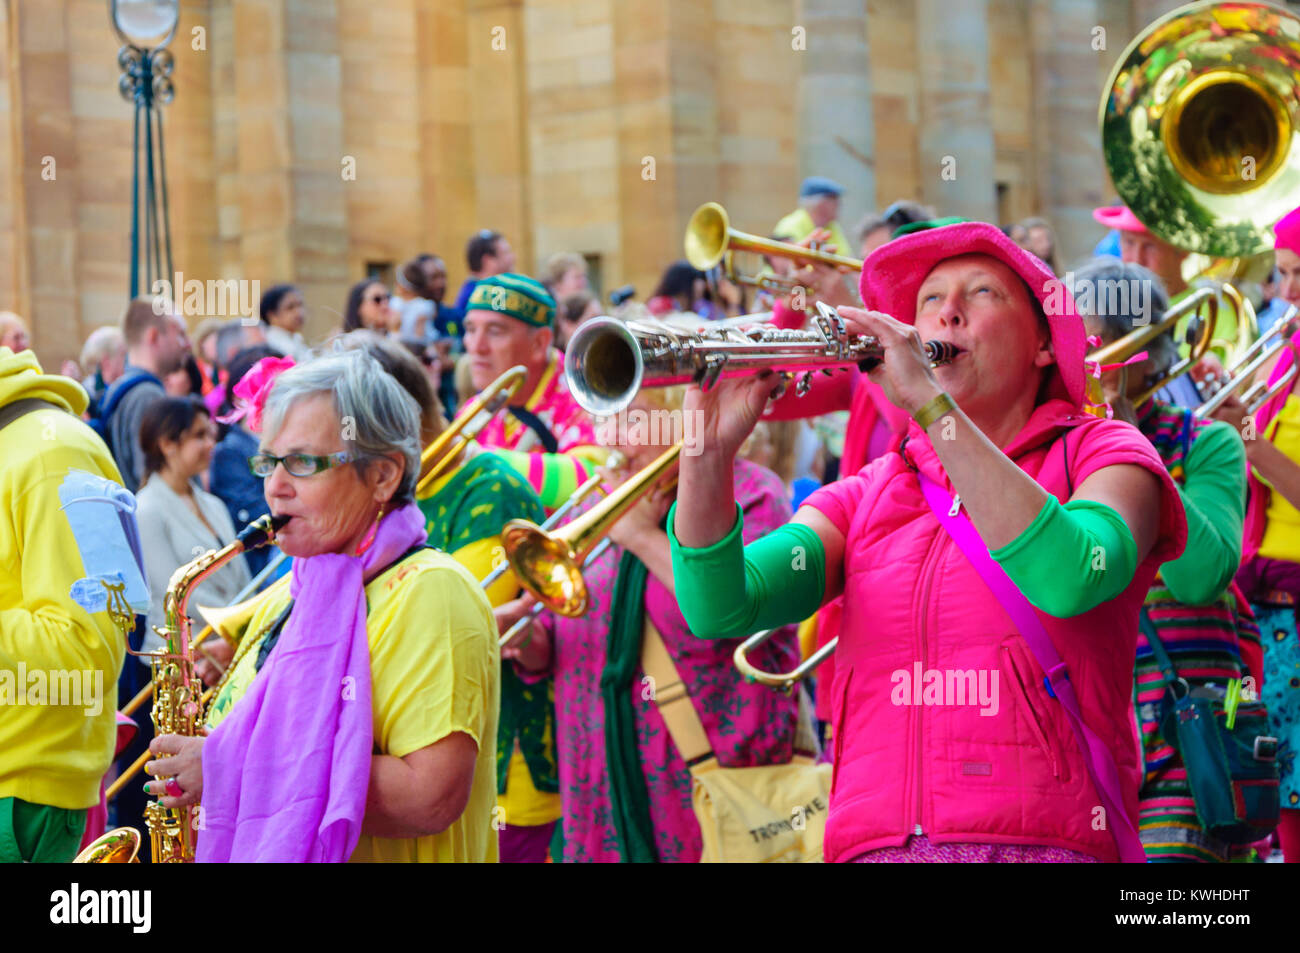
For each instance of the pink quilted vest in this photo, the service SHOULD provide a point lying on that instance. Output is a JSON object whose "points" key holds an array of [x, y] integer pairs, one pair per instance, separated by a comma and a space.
{"points": [[943, 725]]}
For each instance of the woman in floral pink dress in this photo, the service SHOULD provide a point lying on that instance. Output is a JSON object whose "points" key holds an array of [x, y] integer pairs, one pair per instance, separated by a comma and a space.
{"points": [[626, 790]]}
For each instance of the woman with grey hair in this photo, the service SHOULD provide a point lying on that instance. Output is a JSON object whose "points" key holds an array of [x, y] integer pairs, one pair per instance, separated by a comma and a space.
{"points": [[358, 718], [1192, 608], [1115, 297]]}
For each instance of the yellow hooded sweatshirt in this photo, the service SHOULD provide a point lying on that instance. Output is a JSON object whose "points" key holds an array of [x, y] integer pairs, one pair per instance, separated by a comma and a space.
{"points": [[52, 754]]}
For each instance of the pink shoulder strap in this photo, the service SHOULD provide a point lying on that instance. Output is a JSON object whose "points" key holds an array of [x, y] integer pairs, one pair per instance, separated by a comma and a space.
{"points": [[1101, 767]]}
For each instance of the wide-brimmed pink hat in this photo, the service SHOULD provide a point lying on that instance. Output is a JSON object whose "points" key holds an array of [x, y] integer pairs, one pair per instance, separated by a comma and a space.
{"points": [[1119, 217], [1286, 233], [892, 275]]}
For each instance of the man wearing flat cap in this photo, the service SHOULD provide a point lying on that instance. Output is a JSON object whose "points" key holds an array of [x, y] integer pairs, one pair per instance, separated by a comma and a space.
{"points": [[819, 207], [509, 320]]}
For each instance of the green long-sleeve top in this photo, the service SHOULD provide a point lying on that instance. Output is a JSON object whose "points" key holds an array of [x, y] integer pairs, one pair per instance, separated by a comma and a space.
{"points": [[1211, 480]]}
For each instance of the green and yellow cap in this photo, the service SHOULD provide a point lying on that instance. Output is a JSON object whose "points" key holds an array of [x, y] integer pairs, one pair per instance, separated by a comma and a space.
{"points": [[518, 296]]}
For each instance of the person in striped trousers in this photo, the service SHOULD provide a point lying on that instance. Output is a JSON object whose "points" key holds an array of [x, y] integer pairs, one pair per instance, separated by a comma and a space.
{"points": [[1193, 605]]}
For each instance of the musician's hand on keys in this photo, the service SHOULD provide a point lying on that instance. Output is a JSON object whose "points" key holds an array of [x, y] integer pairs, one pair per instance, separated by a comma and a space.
{"points": [[1208, 367], [905, 373], [218, 651], [730, 409], [1233, 411], [179, 757]]}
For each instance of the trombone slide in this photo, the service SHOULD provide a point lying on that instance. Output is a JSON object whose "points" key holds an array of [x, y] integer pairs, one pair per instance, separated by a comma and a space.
{"points": [[784, 682]]}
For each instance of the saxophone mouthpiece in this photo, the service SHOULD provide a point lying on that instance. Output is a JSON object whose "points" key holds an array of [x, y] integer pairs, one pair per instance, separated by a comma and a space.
{"points": [[261, 531]]}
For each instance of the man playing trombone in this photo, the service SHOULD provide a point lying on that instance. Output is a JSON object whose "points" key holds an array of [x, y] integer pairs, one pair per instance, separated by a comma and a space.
{"points": [[550, 439]]}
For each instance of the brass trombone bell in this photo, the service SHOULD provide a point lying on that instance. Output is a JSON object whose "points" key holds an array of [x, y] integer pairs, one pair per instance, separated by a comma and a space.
{"points": [[549, 564], [784, 682], [709, 236], [1200, 123]]}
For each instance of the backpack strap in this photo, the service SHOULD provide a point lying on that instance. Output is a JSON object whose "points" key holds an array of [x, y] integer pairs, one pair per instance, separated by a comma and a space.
{"points": [[21, 408], [121, 388], [1096, 756], [673, 700], [535, 424], [1158, 649]]}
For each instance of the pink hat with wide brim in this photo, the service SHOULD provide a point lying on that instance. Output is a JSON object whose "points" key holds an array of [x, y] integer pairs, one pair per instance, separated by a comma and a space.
{"points": [[1287, 232], [1119, 217], [892, 276]]}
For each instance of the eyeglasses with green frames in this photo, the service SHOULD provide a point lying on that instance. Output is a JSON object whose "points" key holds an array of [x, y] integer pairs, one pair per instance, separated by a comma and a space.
{"points": [[297, 464]]}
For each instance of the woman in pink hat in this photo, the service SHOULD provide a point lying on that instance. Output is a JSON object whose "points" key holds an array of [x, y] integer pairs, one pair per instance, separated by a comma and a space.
{"points": [[1270, 568], [992, 568]]}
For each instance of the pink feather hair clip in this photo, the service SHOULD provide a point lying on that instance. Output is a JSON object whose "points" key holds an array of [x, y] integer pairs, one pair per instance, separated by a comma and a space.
{"points": [[253, 389]]}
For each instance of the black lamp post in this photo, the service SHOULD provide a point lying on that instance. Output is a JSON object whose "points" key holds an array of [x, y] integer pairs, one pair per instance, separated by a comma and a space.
{"points": [[145, 28]]}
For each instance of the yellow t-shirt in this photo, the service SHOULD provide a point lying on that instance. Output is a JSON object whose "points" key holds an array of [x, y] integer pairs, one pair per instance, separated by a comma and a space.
{"points": [[521, 804], [434, 669], [1282, 532]]}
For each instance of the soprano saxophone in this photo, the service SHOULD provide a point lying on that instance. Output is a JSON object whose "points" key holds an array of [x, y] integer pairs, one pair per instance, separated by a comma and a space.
{"points": [[179, 703], [608, 361]]}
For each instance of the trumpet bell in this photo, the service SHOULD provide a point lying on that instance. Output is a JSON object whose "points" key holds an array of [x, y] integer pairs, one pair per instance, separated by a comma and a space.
{"points": [[1201, 125], [707, 236], [118, 846]]}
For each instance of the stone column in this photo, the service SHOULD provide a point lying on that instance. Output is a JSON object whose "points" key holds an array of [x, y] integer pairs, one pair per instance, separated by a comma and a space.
{"points": [[498, 102], [667, 143], [758, 70], [836, 128], [956, 154], [45, 177], [1070, 171], [291, 162], [448, 188]]}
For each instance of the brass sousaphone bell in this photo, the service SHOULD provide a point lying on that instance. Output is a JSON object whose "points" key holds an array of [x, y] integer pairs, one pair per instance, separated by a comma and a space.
{"points": [[1200, 124]]}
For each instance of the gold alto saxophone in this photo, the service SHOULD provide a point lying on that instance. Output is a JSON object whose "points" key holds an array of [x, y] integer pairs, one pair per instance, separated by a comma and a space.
{"points": [[179, 700]]}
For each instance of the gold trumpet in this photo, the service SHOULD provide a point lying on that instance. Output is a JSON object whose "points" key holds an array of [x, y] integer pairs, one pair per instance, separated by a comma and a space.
{"points": [[784, 682], [771, 283], [1137, 339], [549, 564], [436, 458], [1243, 370], [709, 237]]}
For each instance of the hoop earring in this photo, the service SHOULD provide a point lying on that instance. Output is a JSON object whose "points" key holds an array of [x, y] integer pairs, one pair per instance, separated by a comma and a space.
{"points": [[369, 541]]}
